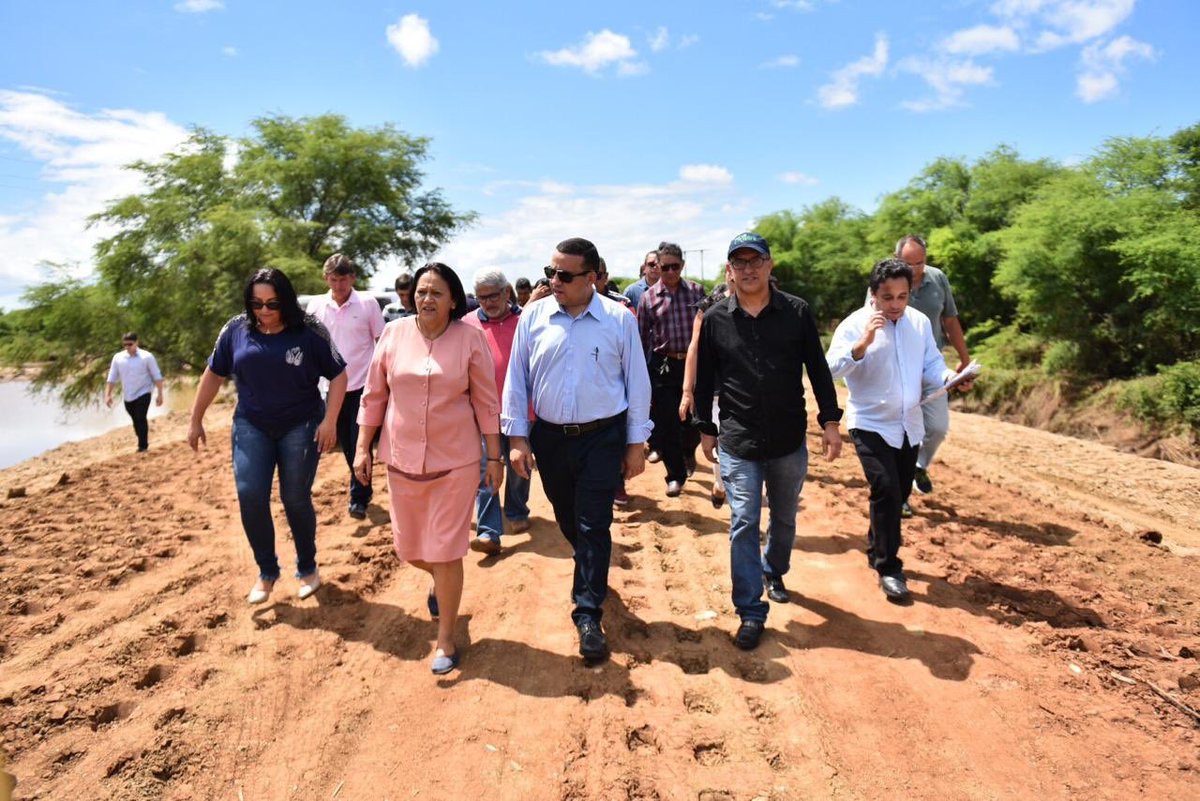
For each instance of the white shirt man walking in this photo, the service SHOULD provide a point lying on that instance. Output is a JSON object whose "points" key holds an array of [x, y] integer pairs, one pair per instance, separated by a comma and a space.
{"points": [[355, 323], [138, 372]]}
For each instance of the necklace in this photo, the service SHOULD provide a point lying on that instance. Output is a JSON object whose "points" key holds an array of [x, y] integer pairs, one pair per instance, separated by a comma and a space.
{"points": [[421, 328]]}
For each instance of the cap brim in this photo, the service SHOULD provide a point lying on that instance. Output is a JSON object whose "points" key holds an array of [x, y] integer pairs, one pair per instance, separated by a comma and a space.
{"points": [[743, 245]]}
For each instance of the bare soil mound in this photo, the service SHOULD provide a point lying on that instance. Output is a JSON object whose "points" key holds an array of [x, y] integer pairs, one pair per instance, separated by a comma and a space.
{"points": [[1051, 651]]}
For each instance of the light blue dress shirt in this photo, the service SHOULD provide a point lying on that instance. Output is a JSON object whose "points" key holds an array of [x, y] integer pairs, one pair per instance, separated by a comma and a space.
{"points": [[887, 383], [577, 369]]}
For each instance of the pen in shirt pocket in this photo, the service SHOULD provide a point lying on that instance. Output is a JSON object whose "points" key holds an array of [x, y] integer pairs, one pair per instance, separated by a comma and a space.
{"points": [[596, 354]]}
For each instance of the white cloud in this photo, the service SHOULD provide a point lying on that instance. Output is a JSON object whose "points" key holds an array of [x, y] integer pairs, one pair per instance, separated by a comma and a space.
{"points": [[946, 78], [797, 5], [764, 16], [842, 91], [786, 62], [83, 157], [1065, 22], [705, 174], [410, 37], [982, 39], [229, 50], [595, 52], [1102, 63], [660, 40], [798, 178], [199, 6], [624, 221], [687, 40]]}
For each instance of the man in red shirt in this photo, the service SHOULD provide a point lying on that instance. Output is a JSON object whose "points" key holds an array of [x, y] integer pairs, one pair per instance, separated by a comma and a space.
{"points": [[497, 317]]}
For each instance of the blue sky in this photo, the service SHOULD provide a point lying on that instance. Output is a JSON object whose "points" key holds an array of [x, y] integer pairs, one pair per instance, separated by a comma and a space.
{"points": [[623, 122]]}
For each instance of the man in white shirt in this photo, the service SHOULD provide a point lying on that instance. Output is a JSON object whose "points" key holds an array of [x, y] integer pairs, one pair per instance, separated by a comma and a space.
{"points": [[138, 372], [355, 323], [886, 353]]}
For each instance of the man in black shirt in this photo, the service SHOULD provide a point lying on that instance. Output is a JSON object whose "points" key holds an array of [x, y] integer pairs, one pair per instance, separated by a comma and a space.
{"points": [[754, 348]]}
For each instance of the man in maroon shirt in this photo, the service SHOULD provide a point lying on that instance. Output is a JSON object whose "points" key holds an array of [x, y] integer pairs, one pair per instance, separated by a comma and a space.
{"points": [[665, 314]]}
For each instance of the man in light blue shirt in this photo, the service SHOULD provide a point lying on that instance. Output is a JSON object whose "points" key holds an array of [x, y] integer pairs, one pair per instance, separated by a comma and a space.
{"points": [[577, 358], [886, 353], [648, 277]]}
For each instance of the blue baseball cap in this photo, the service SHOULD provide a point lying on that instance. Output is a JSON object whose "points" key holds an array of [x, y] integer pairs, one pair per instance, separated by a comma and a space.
{"points": [[749, 240]]}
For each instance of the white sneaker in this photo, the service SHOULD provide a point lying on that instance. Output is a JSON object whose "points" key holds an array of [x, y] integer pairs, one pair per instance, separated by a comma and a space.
{"points": [[308, 585]]}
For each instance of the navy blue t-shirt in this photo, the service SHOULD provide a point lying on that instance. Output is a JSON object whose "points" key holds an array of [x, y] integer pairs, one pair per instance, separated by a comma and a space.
{"points": [[276, 374]]}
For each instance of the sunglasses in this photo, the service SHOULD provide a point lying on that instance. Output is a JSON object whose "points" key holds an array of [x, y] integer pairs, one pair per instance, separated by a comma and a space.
{"points": [[671, 268], [752, 263], [273, 304], [563, 275], [488, 298]]}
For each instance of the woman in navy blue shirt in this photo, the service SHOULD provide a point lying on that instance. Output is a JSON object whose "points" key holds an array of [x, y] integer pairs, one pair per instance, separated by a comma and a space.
{"points": [[276, 355]]}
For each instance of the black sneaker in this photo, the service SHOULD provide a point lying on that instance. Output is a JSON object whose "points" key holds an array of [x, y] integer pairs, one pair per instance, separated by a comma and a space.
{"points": [[358, 511], [748, 634], [921, 482], [592, 645], [775, 589]]}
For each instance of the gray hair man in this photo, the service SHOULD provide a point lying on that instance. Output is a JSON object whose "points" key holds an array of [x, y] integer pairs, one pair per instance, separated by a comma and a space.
{"points": [[497, 317]]}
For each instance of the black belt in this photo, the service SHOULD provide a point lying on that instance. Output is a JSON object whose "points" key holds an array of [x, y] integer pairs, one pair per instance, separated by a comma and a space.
{"points": [[676, 355], [575, 429]]}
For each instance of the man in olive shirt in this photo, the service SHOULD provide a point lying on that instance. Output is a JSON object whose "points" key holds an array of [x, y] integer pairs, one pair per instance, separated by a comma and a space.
{"points": [[931, 295], [754, 348]]}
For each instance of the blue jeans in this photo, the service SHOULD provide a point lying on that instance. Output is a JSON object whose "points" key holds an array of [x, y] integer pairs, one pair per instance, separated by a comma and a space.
{"points": [[748, 562], [256, 454], [487, 506]]}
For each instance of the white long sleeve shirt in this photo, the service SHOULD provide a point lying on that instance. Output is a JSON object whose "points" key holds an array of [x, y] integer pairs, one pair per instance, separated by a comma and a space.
{"points": [[886, 385]]}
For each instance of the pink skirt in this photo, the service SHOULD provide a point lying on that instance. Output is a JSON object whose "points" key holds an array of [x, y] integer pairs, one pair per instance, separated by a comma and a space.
{"points": [[431, 520]]}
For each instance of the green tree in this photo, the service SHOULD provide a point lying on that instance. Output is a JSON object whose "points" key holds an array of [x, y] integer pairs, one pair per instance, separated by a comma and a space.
{"points": [[289, 195]]}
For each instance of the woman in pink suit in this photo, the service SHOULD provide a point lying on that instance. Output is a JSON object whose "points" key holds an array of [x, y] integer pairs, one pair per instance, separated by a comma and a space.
{"points": [[431, 388]]}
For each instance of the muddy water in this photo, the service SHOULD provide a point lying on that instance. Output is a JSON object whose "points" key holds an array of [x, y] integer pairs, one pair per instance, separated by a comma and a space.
{"points": [[31, 423]]}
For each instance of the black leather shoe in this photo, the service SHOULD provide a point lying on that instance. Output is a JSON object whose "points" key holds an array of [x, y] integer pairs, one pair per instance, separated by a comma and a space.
{"points": [[592, 645], [775, 589], [894, 587], [748, 635]]}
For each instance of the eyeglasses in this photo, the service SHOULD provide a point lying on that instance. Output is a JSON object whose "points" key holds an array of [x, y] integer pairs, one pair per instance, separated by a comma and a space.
{"points": [[563, 275], [128, 344], [748, 264], [671, 268], [488, 298], [274, 304]]}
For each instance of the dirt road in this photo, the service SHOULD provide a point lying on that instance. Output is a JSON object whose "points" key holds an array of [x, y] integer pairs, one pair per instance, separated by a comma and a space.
{"points": [[1051, 651]]}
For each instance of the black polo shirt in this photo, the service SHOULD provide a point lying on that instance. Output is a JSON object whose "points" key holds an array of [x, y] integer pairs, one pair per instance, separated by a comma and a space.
{"points": [[755, 364]]}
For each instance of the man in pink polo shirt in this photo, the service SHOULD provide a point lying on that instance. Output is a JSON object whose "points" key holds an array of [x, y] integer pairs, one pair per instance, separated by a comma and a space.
{"points": [[497, 317], [355, 323]]}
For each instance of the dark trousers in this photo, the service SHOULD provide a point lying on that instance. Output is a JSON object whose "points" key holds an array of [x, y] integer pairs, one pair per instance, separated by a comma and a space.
{"points": [[580, 476], [347, 434], [138, 408], [889, 471], [675, 440]]}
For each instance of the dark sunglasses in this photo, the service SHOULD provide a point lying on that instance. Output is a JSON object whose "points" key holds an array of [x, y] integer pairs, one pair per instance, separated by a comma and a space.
{"points": [[563, 275], [671, 268], [273, 305]]}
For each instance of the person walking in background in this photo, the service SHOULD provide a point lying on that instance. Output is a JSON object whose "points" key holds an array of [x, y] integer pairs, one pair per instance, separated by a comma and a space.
{"points": [[687, 403], [277, 356], [647, 277], [755, 347], [931, 295], [355, 323], [403, 307], [578, 359], [137, 370], [431, 392], [497, 318], [523, 290], [664, 314], [886, 353]]}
